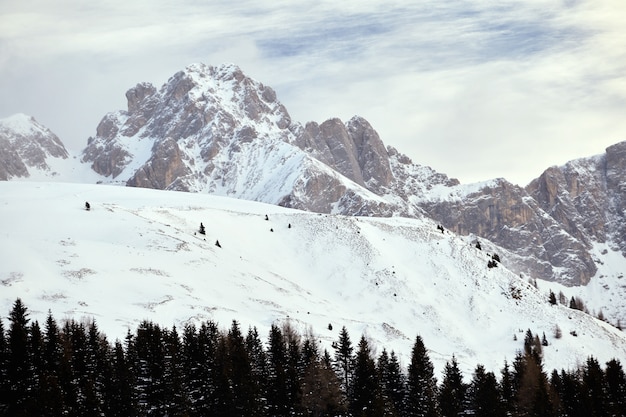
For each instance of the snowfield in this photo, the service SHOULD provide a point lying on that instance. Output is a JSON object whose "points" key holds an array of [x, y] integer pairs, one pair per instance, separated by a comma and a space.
{"points": [[137, 255]]}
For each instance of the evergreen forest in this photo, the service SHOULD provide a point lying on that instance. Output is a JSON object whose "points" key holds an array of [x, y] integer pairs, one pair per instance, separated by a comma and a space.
{"points": [[71, 369]]}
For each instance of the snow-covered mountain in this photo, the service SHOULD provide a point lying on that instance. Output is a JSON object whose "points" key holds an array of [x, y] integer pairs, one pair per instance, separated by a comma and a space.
{"points": [[137, 254], [215, 130], [27, 148]]}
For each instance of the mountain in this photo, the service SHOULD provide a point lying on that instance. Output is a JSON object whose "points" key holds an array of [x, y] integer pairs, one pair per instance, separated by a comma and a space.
{"points": [[27, 148], [137, 255], [215, 130]]}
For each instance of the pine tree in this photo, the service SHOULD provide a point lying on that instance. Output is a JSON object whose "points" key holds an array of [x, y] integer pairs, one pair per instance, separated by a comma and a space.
{"points": [[258, 365], [533, 396], [240, 372], [365, 398], [321, 391], [4, 380], [507, 389], [176, 397], [594, 389], [552, 298], [615, 388], [122, 399], [18, 366], [483, 394], [421, 383], [344, 359], [452, 393], [392, 383], [277, 393]]}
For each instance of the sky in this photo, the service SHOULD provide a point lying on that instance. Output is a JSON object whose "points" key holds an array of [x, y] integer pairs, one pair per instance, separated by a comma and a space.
{"points": [[476, 89]]}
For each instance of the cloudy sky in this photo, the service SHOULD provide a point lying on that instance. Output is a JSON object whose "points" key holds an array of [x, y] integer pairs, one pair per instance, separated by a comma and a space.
{"points": [[476, 89]]}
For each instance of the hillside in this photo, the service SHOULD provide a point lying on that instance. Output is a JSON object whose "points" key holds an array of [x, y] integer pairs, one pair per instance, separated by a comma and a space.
{"points": [[137, 255]]}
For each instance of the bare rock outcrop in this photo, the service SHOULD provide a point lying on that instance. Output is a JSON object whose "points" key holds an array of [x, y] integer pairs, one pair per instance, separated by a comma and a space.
{"points": [[27, 145]]}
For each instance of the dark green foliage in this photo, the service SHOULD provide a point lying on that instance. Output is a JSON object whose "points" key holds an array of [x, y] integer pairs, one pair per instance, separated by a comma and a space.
{"points": [[76, 371], [421, 398], [552, 298], [615, 389], [452, 393], [365, 396], [392, 384], [483, 394], [344, 358]]}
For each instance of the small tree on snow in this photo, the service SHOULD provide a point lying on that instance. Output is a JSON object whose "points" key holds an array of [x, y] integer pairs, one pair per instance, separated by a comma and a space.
{"points": [[552, 298], [202, 231]]}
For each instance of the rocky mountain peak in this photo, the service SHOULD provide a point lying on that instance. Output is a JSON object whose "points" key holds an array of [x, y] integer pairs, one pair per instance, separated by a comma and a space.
{"points": [[26, 145]]}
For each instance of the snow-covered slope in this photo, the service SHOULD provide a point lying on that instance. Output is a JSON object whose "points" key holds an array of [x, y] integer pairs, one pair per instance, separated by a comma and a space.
{"points": [[137, 255]]}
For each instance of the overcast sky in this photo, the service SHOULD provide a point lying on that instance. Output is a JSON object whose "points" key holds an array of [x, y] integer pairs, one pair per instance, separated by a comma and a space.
{"points": [[476, 89]]}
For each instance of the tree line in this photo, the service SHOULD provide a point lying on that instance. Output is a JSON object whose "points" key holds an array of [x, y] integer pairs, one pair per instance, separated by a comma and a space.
{"points": [[73, 370]]}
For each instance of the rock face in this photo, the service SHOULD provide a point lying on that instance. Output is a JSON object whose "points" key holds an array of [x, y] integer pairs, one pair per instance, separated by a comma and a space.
{"points": [[25, 146], [213, 129], [587, 197]]}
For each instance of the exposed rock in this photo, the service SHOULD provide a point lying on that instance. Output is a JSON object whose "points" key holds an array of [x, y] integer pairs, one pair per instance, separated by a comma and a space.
{"points": [[26, 145], [213, 129], [164, 168], [503, 213]]}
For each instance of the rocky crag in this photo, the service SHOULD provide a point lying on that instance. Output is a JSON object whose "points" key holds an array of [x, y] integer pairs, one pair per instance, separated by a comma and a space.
{"points": [[213, 129], [26, 145]]}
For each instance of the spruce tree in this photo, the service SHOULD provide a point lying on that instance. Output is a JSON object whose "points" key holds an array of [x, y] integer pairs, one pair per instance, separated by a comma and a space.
{"points": [[507, 389], [277, 392], [483, 394], [452, 393], [615, 388], [365, 398], [258, 365], [4, 380], [18, 364], [594, 389], [344, 359], [240, 372], [421, 383], [392, 383]]}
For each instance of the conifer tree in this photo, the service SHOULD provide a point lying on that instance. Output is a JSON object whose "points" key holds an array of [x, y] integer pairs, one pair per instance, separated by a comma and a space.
{"points": [[175, 393], [552, 298], [321, 392], [569, 394], [4, 380], [258, 365], [533, 397], [483, 394], [344, 359], [365, 398], [36, 354], [421, 383], [615, 388], [18, 366], [594, 389], [392, 383], [507, 389], [122, 401], [222, 399], [452, 393], [277, 392], [294, 368], [240, 372]]}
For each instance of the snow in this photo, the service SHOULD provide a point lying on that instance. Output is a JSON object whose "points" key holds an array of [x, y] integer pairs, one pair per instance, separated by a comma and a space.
{"points": [[21, 124], [136, 255]]}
